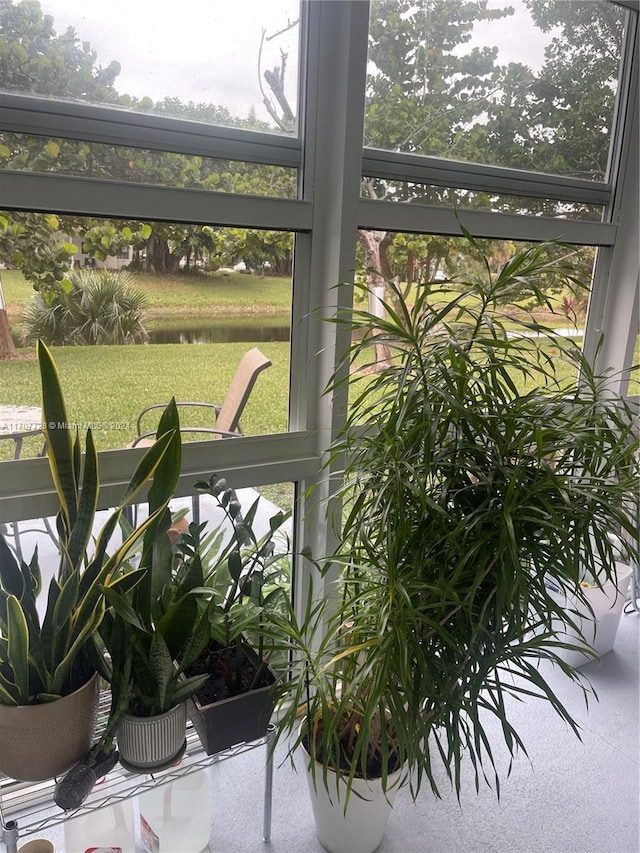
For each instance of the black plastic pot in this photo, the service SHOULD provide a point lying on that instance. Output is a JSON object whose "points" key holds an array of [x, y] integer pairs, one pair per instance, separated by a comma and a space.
{"points": [[239, 719]]}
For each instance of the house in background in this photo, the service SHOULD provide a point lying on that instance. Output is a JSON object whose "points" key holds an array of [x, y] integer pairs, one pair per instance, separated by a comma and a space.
{"points": [[81, 260]]}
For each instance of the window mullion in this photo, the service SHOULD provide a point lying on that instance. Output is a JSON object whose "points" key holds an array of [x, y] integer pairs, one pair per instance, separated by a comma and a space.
{"points": [[333, 132], [116, 126], [96, 197]]}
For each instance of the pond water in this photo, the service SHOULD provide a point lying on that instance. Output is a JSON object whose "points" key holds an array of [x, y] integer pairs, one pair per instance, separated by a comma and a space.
{"points": [[222, 331]]}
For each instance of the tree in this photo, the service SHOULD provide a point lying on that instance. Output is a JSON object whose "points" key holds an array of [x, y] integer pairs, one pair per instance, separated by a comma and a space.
{"points": [[255, 248], [32, 243], [35, 59], [574, 95], [429, 91]]}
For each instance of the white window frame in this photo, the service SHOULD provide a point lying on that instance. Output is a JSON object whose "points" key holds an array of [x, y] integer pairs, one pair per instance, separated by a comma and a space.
{"points": [[325, 218]]}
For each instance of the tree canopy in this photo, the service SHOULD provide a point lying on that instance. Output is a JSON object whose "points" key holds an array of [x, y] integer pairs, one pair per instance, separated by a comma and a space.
{"points": [[431, 89]]}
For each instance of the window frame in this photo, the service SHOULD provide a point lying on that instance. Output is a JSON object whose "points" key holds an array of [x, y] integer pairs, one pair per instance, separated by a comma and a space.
{"points": [[325, 217]]}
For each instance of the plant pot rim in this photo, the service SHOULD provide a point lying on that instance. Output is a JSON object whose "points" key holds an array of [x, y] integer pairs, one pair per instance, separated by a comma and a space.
{"points": [[620, 572], [220, 702], [32, 707], [135, 718], [399, 775]]}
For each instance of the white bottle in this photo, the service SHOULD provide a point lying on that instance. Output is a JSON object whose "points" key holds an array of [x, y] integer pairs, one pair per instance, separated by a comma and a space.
{"points": [[110, 828], [177, 815]]}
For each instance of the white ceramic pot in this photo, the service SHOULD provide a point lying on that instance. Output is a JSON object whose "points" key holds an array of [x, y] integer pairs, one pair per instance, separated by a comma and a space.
{"points": [[360, 829], [599, 628]]}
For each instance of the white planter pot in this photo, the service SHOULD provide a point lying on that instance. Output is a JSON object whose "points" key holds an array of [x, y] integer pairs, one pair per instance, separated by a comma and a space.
{"points": [[600, 628], [361, 828]]}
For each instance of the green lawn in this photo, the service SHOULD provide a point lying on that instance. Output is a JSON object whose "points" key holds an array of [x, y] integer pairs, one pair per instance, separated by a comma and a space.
{"points": [[108, 386], [195, 295]]}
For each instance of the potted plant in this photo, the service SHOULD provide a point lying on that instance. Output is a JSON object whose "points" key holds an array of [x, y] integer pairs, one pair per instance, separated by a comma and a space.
{"points": [[595, 615], [483, 460], [153, 629], [48, 662], [244, 571]]}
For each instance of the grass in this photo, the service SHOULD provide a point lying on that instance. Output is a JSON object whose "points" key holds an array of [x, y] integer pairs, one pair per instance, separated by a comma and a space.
{"points": [[183, 295], [108, 386], [140, 375]]}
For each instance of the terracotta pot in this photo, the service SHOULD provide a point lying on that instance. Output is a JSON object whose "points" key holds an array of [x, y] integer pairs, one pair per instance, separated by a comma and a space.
{"points": [[150, 743], [41, 741]]}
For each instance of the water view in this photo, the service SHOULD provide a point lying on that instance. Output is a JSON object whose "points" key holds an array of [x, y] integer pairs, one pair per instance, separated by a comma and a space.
{"points": [[220, 331]]}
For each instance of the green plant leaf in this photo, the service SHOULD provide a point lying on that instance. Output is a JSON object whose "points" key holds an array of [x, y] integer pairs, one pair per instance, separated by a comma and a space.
{"points": [[11, 577], [87, 504], [18, 647], [161, 665], [59, 443]]}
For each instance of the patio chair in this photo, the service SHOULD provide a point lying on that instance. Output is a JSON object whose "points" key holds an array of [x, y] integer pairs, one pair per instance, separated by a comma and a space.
{"points": [[220, 420]]}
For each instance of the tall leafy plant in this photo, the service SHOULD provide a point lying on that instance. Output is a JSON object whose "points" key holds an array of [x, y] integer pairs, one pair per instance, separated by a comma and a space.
{"points": [[483, 459]]}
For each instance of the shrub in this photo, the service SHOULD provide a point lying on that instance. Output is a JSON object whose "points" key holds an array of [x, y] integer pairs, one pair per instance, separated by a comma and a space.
{"points": [[101, 308]]}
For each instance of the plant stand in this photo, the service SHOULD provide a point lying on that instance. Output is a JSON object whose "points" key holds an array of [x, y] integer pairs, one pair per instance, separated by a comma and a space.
{"points": [[28, 810]]}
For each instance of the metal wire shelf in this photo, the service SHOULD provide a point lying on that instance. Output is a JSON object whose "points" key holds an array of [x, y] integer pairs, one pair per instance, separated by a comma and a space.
{"points": [[28, 808]]}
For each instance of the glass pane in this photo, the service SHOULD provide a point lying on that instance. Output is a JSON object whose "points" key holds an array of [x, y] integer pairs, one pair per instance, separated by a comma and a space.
{"points": [[222, 63], [454, 262], [24, 153], [377, 188], [274, 501], [154, 310], [524, 84]]}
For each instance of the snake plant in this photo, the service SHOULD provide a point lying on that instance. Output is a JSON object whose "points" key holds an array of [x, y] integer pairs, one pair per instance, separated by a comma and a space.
{"points": [[154, 625], [46, 655]]}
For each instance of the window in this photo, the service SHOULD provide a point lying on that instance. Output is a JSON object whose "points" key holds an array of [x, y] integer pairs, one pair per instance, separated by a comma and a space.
{"points": [[187, 305], [20, 152], [208, 66], [525, 85], [246, 139], [412, 260], [495, 202]]}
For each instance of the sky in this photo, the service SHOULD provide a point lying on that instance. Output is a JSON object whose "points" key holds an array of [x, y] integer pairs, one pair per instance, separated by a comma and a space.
{"points": [[209, 53]]}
